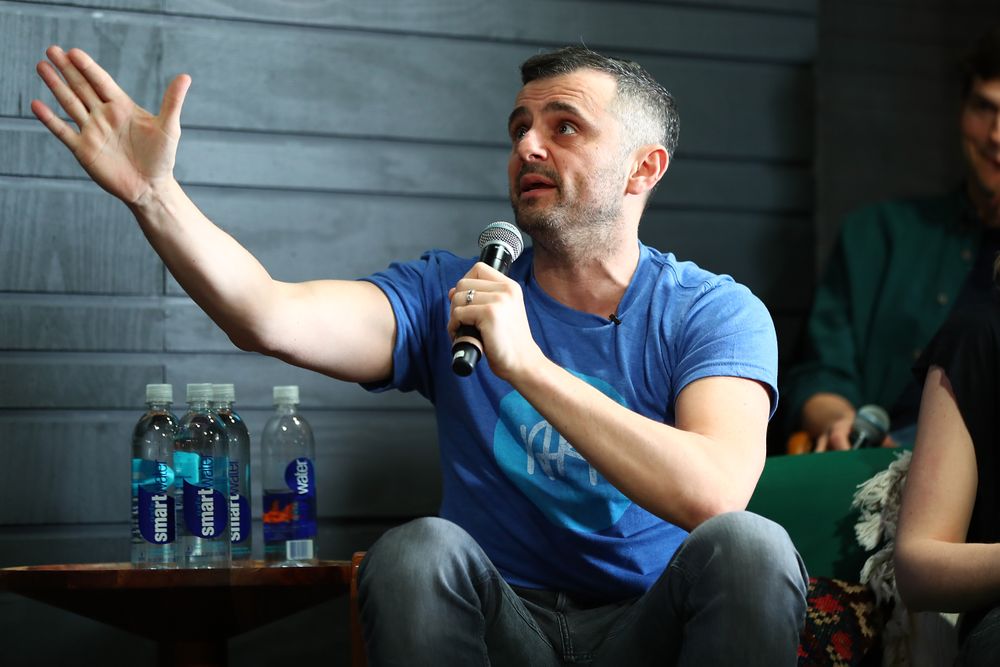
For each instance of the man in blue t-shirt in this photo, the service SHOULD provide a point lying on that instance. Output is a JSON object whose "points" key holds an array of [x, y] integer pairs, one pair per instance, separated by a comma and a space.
{"points": [[598, 462]]}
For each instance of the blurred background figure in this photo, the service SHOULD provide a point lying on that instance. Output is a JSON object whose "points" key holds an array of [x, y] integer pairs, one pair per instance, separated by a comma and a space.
{"points": [[898, 269]]}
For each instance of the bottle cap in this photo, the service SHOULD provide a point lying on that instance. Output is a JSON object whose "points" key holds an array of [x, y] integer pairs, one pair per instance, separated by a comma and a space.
{"points": [[201, 391], [159, 393], [286, 394], [223, 393]]}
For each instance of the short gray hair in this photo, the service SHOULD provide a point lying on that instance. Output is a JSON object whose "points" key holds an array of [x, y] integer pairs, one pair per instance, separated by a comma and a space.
{"points": [[647, 111]]}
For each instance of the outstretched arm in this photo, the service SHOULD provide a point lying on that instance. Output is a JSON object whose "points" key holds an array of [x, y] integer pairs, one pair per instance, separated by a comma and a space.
{"points": [[130, 153], [935, 568]]}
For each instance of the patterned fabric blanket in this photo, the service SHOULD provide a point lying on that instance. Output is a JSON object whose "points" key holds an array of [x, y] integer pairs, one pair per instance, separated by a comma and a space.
{"points": [[842, 624]]}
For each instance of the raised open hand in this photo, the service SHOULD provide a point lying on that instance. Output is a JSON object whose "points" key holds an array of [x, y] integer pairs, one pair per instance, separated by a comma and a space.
{"points": [[124, 148]]}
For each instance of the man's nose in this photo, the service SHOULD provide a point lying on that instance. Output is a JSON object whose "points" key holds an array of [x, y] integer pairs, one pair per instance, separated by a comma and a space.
{"points": [[531, 147]]}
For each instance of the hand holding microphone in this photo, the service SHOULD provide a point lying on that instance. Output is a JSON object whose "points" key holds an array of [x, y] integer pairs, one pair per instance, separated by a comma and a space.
{"points": [[500, 243], [867, 427]]}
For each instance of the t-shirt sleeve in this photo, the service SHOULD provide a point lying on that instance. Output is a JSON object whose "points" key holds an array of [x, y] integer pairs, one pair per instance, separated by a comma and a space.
{"points": [[414, 292], [728, 332]]}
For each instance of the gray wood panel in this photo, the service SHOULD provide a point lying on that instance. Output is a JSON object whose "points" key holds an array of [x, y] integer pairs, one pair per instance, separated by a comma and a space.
{"points": [[639, 26], [330, 236], [71, 238], [447, 97], [80, 323], [71, 380], [108, 381], [238, 159], [74, 465], [647, 26]]}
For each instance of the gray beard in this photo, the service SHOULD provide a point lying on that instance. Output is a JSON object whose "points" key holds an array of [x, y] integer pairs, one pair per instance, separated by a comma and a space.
{"points": [[572, 231]]}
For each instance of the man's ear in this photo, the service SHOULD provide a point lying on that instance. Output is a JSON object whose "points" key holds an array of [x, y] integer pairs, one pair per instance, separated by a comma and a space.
{"points": [[648, 167]]}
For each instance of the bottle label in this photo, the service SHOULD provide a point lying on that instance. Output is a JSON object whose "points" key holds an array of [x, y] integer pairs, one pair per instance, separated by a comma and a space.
{"points": [[291, 514], [155, 501], [239, 505], [300, 476], [205, 508], [239, 518]]}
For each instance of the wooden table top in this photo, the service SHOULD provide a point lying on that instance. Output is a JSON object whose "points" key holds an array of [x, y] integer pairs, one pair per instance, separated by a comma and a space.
{"points": [[107, 576]]}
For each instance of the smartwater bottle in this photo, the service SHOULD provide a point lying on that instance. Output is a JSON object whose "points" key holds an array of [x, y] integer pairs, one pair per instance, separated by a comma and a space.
{"points": [[202, 472], [153, 520], [240, 526], [289, 477]]}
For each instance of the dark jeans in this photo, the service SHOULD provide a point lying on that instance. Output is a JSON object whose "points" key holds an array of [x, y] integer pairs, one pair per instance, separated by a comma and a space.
{"points": [[734, 593]]}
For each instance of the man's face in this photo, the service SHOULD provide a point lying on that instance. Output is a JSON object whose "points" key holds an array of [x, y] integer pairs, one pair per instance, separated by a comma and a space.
{"points": [[567, 168], [980, 128]]}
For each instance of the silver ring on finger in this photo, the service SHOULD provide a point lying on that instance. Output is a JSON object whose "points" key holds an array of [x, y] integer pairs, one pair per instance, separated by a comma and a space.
{"points": [[469, 295]]}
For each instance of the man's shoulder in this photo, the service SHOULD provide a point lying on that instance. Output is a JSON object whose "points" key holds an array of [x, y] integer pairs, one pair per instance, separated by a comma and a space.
{"points": [[686, 286], [684, 274]]}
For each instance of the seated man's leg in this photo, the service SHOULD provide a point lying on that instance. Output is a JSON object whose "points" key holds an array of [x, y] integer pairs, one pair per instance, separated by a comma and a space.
{"points": [[733, 594], [430, 596]]}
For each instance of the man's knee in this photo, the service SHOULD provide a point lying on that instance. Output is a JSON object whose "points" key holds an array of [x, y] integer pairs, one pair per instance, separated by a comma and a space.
{"points": [[742, 544], [416, 555]]}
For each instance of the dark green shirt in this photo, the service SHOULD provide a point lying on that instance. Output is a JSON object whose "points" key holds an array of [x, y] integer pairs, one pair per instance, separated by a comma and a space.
{"points": [[895, 274]]}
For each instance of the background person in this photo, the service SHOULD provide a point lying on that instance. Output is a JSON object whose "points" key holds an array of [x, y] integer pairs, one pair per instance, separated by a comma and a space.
{"points": [[898, 269]]}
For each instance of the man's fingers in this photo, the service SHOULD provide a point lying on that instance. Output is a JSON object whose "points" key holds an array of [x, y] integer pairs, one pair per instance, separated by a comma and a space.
{"points": [[173, 100], [84, 91], [98, 81], [67, 99], [56, 125]]}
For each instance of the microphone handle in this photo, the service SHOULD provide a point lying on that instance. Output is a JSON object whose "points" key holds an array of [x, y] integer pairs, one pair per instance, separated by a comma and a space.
{"points": [[465, 353]]}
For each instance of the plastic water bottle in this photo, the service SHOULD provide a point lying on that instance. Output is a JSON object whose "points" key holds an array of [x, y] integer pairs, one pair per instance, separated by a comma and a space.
{"points": [[154, 529], [240, 526], [289, 477], [202, 471]]}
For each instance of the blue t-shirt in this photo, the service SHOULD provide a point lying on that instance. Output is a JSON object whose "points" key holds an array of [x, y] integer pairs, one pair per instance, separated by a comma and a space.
{"points": [[542, 514]]}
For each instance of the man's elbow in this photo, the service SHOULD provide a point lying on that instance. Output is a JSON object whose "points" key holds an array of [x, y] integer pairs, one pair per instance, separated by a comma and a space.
{"points": [[253, 339], [709, 507]]}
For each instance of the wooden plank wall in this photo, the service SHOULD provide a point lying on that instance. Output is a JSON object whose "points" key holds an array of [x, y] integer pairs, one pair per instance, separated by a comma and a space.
{"points": [[331, 138], [888, 101]]}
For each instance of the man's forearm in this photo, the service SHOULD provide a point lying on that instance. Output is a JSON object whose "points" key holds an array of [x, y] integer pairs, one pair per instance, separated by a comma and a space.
{"points": [[219, 274], [682, 476]]}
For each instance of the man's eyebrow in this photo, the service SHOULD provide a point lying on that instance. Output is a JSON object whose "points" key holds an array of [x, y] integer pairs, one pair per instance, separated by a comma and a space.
{"points": [[517, 113], [555, 105]]}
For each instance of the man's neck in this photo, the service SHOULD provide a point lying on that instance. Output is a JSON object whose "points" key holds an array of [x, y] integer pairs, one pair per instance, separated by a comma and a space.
{"points": [[592, 282]]}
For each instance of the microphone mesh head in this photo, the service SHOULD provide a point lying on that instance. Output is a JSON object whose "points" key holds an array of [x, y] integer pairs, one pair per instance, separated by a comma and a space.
{"points": [[505, 234], [875, 415]]}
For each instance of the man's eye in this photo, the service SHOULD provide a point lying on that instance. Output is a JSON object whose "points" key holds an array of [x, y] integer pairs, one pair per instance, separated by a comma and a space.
{"points": [[566, 128], [518, 133]]}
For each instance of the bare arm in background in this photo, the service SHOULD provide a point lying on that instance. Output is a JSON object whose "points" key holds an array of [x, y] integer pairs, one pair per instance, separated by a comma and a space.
{"points": [[936, 569], [130, 153]]}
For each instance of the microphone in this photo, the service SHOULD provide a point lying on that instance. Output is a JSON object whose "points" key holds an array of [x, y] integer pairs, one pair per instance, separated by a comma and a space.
{"points": [[870, 427], [500, 243]]}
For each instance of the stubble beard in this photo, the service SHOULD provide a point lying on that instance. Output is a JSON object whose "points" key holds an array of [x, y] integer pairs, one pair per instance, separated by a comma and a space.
{"points": [[575, 229]]}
